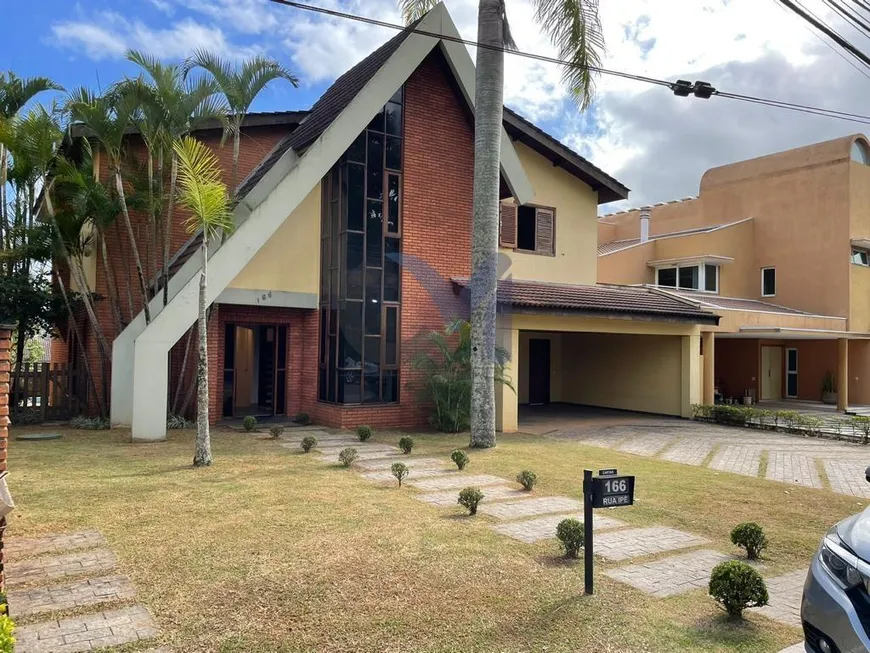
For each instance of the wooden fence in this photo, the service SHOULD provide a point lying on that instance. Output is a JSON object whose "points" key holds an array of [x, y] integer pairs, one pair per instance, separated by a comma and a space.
{"points": [[45, 392]]}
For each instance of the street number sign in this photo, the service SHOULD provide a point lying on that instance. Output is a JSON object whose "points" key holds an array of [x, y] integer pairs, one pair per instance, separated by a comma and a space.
{"points": [[612, 491], [607, 472]]}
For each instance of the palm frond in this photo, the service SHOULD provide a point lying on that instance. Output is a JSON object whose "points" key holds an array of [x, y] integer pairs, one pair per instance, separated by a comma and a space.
{"points": [[200, 189], [219, 68], [16, 91], [415, 9], [255, 74], [575, 30]]}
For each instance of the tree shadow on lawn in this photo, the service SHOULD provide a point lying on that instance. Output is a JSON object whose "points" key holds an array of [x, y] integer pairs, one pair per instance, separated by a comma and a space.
{"points": [[558, 560]]}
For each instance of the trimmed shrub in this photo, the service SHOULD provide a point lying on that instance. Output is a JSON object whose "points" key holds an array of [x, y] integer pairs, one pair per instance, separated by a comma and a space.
{"points": [[276, 431], [763, 417], [178, 422], [7, 628], [400, 471], [527, 478], [308, 443], [89, 423], [347, 456], [702, 412], [249, 423], [469, 498], [406, 443], [788, 418], [460, 458], [861, 424], [749, 536], [736, 586], [571, 536], [302, 418], [364, 433]]}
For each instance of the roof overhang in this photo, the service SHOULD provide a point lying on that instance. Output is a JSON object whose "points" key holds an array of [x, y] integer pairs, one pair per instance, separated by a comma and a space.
{"points": [[791, 333], [862, 243], [713, 259]]}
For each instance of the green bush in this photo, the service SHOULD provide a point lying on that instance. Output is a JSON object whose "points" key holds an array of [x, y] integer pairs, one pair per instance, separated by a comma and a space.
{"points": [[702, 411], [23, 417], [364, 433], [861, 424], [763, 417], [446, 376], [571, 536], [406, 443], [7, 628], [89, 423], [179, 422], [308, 443], [347, 456], [788, 418], [527, 479], [400, 471], [249, 423], [469, 498], [302, 418], [750, 536], [736, 586], [276, 431], [460, 458]]}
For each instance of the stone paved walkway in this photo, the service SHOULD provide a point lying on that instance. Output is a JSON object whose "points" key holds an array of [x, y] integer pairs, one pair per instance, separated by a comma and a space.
{"points": [[491, 493], [784, 604], [53, 567], [530, 507], [544, 528], [40, 600], [638, 542], [26, 547], [670, 576], [792, 459], [103, 629]]}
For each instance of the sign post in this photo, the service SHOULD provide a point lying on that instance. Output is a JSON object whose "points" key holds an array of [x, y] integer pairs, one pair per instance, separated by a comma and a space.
{"points": [[607, 490]]}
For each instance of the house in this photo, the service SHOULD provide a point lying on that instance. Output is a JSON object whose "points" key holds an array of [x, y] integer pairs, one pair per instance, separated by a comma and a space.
{"points": [[779, 248], [353, 242]]}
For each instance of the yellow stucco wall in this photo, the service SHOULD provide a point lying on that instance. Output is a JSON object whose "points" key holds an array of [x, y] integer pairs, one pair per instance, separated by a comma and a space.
{"points": [[576, 225], [859, 276], [630, 372], [628, 266], [290, 260]]}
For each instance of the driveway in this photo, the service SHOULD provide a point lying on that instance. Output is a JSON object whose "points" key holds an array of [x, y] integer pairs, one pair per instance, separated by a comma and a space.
{"points": [[811, 462]]}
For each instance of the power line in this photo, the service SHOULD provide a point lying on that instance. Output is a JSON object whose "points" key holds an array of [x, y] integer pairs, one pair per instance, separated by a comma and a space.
{"points": [[821, 26], [681, 87]]}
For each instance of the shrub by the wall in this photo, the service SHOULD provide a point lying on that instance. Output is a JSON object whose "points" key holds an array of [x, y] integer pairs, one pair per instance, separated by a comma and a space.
{"points": [[249, 423], [308, 443], [302, 418], [347, 456], [364, 433], [276, 431], [406, 443]]}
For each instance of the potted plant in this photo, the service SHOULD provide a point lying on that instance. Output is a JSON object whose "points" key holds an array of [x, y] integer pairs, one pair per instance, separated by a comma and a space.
{"points": [[829, 389]]}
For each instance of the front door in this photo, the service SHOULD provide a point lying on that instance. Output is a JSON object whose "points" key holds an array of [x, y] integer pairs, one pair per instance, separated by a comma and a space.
{"points": [[255, 370], [539, 371], [771, 372]]}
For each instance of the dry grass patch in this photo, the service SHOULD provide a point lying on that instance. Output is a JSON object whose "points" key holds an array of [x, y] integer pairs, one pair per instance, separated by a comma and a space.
{"points": [[272, 550]]}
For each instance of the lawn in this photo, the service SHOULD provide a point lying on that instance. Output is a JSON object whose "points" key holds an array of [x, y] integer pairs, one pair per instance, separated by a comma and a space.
{"points": [[272, 550]]}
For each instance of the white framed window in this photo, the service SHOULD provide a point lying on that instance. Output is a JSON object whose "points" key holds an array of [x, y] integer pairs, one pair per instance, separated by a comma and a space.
{"points": [[768, 282], [704, 278], [861, 257]]}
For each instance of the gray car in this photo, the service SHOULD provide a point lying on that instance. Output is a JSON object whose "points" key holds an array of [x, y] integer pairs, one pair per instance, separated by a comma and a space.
{"points": [[836, 603]]}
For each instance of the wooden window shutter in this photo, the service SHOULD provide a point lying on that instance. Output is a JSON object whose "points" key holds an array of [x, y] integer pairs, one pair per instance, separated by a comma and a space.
{"points": [[544, 232], [507, 225]]}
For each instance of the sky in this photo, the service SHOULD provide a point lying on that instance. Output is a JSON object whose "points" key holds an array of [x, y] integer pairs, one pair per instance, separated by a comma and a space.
{"points": [[657, 144]]}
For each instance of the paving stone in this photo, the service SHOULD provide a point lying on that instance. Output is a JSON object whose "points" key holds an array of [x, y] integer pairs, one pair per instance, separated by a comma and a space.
{"points": [[847, 477], [530, 507], [544, 528], [40, 600], [296, 443], [784, 598], [412, 463], [606, 441], [457, 481], [797, 648], [637, 542], [334, 450], [491, 493], [790, 467], [362, 455], [646, 445], [112, 628], [670, 576], [738, 459], [689, 452], [53, 567], [382, 476], [25, 547]]}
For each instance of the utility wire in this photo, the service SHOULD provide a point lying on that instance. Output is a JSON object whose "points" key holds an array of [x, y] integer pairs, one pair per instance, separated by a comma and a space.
{"points": [[818, 24], [852, 18], [681, 85]]}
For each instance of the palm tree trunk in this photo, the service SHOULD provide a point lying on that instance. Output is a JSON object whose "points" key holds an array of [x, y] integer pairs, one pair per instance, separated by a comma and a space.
{"points": [[152, 219], [488, 103], [119, 185], [114, 299], [3, 208], [237, 135], [202, 456], [129, 280], [183, 372], [167, 227]]}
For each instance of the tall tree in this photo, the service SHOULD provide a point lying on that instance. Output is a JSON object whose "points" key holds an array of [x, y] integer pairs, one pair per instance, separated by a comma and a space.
{"points": [[171, 105], [203, 193], [240, 85], [107, 118], [574, 28]]}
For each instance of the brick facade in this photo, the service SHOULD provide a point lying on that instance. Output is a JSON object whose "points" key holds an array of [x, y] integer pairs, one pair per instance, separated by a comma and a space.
{"points": [[5, 355]]}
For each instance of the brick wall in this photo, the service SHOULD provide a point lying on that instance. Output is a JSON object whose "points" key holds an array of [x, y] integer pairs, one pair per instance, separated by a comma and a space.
{"points": [[5, 350]]}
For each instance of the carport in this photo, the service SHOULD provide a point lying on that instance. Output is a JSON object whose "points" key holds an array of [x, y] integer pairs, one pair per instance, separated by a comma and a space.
{"points": [[621, 347]]}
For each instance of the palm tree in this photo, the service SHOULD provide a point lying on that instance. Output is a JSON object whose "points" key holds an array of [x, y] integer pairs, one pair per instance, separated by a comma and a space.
{"points": [[203, 193], [574, 29], [240, 85], [171, 106], [107, 117]]}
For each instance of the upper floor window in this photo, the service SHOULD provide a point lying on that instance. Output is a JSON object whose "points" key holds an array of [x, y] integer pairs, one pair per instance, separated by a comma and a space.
{"points": [[689, 277], [861, 257], [860, 152], [768, 282], [528, 228]]}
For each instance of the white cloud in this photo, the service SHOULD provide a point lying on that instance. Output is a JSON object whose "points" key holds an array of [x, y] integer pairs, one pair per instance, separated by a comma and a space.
{"points": [[163, 6], [247, 16], [109, 35]]}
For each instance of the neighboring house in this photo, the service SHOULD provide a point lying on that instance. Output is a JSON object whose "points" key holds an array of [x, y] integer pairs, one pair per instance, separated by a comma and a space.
{"points": [[354, 242], [779, 247]]}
